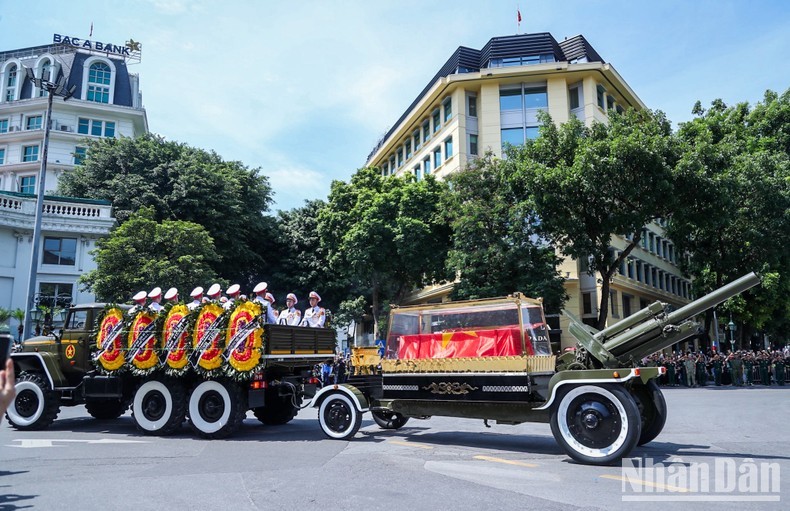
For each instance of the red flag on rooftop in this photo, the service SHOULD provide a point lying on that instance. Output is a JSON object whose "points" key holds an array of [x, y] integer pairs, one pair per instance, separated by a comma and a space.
{"points": [[519, 15], [91, 34]]}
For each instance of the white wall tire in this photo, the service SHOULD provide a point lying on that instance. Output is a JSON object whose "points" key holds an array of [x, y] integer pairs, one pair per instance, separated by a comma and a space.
{"points": [[596, 424], [35, 406], [339, 417], [216, 408], [159, 406]]}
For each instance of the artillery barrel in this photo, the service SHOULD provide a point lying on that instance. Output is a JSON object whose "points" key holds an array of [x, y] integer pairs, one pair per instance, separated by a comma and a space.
{"points": [[641, 316], [714, 298]]}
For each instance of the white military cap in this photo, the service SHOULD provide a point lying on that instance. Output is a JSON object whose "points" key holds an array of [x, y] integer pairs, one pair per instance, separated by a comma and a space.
{"points": [[270, 298], [315, 295], [292, 296], [155, 292], [198, 291], [214, 290], [260, 288], [171, 293], [233, 290], [140, 296]]}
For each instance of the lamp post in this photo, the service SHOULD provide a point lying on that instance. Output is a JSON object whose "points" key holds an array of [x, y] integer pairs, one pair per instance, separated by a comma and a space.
{"points": [[46, 307], [731, 326], [56, 88]]}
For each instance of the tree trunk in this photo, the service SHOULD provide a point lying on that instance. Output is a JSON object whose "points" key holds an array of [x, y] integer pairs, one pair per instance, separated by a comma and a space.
{"points": [[375, 307], [607, 274]]}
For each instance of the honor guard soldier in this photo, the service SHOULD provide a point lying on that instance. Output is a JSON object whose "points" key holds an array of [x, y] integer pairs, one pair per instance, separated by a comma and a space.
{"points": [[260, 297], [290, 316], [139, 303], [197, 298], [315, 316], [156, 298], [214, 292], [233, 295], [172, 295]]}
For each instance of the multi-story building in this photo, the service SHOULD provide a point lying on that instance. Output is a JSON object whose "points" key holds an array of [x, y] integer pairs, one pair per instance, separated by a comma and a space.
{"points": [[106, 102], [481, 100]]}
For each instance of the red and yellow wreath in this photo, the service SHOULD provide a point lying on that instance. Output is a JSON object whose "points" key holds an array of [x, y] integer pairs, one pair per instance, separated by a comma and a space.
{"points": [[175, 336], [208, 336], [244, 337], [109, 340], [142, 341]]}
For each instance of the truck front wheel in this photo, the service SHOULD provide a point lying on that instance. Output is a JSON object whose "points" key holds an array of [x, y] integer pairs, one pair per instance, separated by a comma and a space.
{"points": [[35, 405], [596, 424], [216, 408], [159, 406], [339, 417]]}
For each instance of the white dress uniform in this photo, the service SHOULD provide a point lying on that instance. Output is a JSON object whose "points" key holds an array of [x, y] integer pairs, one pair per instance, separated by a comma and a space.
{"points": [[139, 298], [270, 317], [292, 316], [314, 317], [155, 307], [197, 294]]}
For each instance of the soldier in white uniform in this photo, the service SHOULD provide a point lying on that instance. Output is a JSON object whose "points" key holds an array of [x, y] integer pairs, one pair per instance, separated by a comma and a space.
{"points": [[290, 316], [260, 297], [315, 316], [233, 295], [197, 298], [156, 298], [139, 303], [214, 292], [172, 295]]}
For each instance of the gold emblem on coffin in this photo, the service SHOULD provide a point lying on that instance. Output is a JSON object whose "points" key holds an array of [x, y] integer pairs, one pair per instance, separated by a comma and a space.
{"points": [[450, 388]]}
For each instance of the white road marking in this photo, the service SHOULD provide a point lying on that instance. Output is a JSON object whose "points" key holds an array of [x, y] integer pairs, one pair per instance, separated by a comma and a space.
{"points": [[34, 443]]}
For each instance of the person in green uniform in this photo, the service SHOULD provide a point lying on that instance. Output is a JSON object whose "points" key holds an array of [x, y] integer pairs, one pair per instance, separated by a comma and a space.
{"points": [[748, 366], [702, 373], [671, 381], [717, 367], [779, 370], [763, 363], [736, 369]]}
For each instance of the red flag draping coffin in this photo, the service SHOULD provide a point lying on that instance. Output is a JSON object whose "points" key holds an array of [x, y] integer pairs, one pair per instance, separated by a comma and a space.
{"points": [[462, 344]]}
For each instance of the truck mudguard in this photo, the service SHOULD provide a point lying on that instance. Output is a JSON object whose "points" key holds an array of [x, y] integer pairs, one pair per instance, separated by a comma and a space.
{"points": [[351, 391], [598, 376]]}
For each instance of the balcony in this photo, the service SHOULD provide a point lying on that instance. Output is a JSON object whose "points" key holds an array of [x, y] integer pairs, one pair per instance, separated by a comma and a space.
{"points": [[60, 214]]}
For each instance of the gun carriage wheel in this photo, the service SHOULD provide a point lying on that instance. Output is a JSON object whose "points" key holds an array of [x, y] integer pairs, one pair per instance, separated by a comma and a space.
{"points": [[339, 417], [35, 406], [596, 424], [652, 408], [216, 408], [389, 420], [159, 406]]}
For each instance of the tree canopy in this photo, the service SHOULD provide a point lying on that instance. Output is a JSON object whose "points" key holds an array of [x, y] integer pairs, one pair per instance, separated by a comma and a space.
{"points": [[180, 182], [143, 253]]}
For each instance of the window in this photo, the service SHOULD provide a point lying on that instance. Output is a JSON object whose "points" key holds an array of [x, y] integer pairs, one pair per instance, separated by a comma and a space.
{"points": [[79, 155], [448, 148], [436, 122], [62, 251], [46, 68], [2, 156], [609, 102], [416, 137], [536, 98], [613, 304], [473, 144], [626, 306], [426, 130], [63, 292], [600, 95], [586, 303], [400, 157], [574, 98], [510, 99], [471, 106], [416, 171], [512, 136], [27, 184], [384, 169], [408, 149], [99, 83], [448, 109], [532, 132], [10, 85], [30, 153], [392, 164], [33, 122], [95, 127], [426, 166], [3, 125], [437, 157]]}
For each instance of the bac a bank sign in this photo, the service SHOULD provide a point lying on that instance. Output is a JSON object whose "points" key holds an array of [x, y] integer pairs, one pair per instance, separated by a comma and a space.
{"points": [[123, 51]]}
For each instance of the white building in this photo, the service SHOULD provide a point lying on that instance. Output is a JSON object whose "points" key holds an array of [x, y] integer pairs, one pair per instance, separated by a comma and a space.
{"points": [[107, 102]]}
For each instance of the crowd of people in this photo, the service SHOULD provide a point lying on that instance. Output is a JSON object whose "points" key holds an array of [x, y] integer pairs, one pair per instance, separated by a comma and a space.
{"points": [[737, 368], [314, 316], [333, 371]]}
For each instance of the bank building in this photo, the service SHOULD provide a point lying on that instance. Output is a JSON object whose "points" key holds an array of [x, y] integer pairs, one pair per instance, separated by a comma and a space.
{"points": [[105, 101], [481, 100]]}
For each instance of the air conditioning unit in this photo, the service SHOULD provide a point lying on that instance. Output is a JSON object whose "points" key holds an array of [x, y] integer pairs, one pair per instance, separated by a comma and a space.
{"points": [[64, 127]]}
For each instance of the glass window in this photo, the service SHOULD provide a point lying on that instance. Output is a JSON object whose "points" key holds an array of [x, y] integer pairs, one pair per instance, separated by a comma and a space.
{"points": [[3, 125], [436, 122], [510, 99], [98, 83], [79, 155], [83, 126], [416, 171], [10, 91], [512, 136], [400, 157], [574, 98], [56, 294], [426, 166], [536, 98], [613, 304], [62, 251], [586, 303], [600, 92], [96, 128], [426, 130], [2, 156], [448, 148], [472, 105], [27, 184], [34, 122], [46, 67], [533, 132], [448, 109], [626, 306], [30, 153], [473, 144], [437, 157], [609, 102], [392, 164], [109, 129], [408, 149], [416, 137]]}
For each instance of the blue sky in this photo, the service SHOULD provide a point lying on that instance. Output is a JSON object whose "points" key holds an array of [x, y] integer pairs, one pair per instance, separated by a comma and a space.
{"points": [[304, 89]]}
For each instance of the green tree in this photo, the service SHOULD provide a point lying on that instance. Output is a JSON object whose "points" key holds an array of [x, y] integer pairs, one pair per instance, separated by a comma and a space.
{"points": [[182, 183], [588, 184], [385, 235], [143, 253], [495, 250]]}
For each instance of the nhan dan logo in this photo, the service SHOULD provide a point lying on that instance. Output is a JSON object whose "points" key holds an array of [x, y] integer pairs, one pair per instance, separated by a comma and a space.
{"points": [[725, 479]]}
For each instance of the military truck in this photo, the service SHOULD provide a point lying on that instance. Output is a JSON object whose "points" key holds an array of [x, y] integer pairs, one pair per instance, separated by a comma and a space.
{"points": [[491, 360], [95, 360]]}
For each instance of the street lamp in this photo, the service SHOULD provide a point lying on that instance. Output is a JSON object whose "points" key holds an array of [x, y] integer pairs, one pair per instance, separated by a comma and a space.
{"points": [[56, 88], [49, 308], [731, 326]]}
